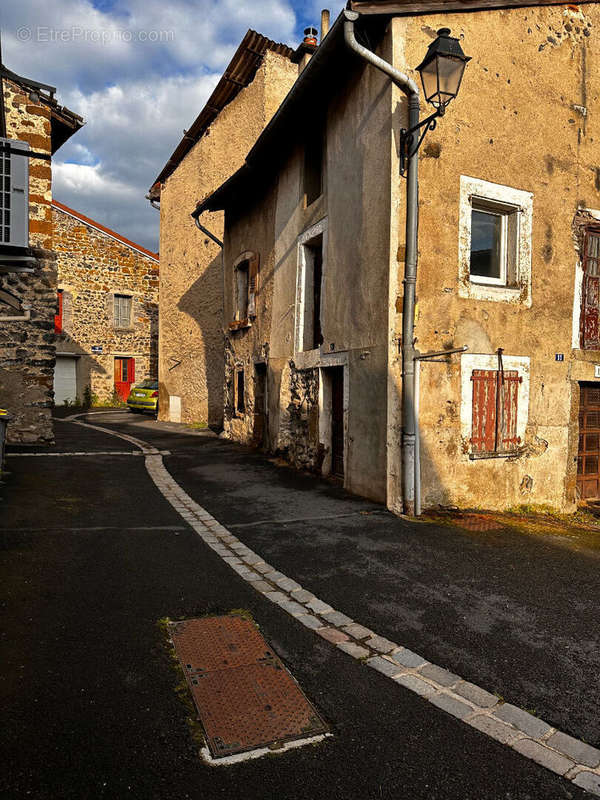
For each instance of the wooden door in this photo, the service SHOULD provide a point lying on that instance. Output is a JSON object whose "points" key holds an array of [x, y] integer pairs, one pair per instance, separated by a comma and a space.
{"points": [[124, 376], [588, 467], [337, 421]]}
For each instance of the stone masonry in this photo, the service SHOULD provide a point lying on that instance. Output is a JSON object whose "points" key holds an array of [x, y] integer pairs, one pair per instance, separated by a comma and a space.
{"points": [[93, 265], [27, 346]]}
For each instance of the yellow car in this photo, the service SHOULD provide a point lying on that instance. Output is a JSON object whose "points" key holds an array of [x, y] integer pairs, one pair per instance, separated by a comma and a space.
{"points": [[144, 397]]}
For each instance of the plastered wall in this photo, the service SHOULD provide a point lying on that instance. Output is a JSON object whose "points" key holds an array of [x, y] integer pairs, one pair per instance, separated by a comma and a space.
{"points": [[526, 118], [191, 349]]}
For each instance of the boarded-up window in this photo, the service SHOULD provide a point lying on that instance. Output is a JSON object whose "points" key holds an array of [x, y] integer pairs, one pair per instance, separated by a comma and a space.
{"points": [[122, 313], [495, 408], [245, 289], [590, 295]]}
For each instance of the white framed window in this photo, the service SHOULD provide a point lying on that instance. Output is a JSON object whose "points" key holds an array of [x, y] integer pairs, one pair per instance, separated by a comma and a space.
{"points": [[494, 251]]}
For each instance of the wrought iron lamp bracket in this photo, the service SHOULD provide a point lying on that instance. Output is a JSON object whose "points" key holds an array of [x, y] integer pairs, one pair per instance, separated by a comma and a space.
{"points": [[407, 137]]}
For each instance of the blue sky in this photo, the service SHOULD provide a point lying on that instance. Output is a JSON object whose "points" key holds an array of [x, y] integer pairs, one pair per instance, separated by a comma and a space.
{"points": [[138, 71]]}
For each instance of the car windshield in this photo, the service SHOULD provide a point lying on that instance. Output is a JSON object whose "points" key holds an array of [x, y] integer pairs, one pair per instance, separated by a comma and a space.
{"points": [[148, 384]]}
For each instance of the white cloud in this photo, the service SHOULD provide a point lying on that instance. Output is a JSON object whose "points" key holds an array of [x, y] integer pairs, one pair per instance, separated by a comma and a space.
{"points": [[136, 95]]}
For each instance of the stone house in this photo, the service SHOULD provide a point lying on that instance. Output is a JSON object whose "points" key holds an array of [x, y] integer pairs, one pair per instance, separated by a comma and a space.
{"points": [[106, 320], [509, 251], [31, 121], [190, 365]]}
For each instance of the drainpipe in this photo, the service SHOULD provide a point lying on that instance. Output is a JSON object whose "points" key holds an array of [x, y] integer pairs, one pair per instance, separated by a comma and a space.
{"points": [[411, 90], [205, 231]]}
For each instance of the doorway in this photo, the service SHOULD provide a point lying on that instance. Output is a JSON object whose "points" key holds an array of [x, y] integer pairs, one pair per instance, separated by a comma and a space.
{"points": [[259, 432], [588, 456], [124, 376], [337, 421]]}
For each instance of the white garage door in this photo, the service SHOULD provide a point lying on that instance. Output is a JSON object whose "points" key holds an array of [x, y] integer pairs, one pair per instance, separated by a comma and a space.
{"points": [[65, 380]]}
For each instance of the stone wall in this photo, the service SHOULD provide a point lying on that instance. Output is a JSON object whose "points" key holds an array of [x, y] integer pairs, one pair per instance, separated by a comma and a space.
{"points": [[27, 347], [30, 122], [93, 266], [27, 352]]}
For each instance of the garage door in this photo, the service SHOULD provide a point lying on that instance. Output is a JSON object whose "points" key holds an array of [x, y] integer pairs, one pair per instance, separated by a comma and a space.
{"points": [[65, 380]]}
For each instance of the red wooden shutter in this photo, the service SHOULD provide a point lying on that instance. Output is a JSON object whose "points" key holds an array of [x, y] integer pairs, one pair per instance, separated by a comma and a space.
{"points": [[590, 296], [483, 435], [253, 266], [131, 370], [507, 429], [58, 318]]}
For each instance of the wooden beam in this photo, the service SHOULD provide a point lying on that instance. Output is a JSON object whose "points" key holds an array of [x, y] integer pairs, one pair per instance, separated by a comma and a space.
{"points": [[406, 7]]}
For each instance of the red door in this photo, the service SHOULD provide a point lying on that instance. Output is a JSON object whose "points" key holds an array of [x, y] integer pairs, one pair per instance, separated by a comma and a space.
{"points": [[124, 376]]}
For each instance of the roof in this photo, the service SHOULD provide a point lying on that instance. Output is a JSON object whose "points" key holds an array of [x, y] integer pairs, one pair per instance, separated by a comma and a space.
{"points": [[64, 123], [239, 73], [399, 7], [104, 229]]}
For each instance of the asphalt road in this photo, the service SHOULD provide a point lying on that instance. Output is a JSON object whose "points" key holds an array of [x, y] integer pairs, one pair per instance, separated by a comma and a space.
{"points": [[93, 557]]}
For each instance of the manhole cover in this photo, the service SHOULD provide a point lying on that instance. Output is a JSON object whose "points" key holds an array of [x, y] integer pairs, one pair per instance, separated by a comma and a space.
{"points": [[245, 697]]}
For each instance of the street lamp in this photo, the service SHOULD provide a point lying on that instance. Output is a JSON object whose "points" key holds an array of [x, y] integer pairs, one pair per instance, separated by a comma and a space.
{"points": [[442, 70], [441, 74]]}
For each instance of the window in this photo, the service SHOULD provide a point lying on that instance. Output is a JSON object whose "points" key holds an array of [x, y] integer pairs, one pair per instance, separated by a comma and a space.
{"points": [[590, 295], [494, 412], [240, 404], [245, 289], [14, 194], [314, 157], [122, 311], [241, 284], [312, 262], [494, 242], [58, 317]]}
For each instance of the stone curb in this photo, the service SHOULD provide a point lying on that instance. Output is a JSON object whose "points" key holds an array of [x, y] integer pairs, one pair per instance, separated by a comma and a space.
{"points": [[531, 737]]}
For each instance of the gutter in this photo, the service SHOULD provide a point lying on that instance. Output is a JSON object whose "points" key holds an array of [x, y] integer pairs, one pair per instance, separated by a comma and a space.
{"points": [[411, 90]]}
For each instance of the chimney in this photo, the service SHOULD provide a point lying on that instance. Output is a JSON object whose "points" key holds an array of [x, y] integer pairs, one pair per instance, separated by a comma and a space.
{"points": [[306, 48], [324, 23]]}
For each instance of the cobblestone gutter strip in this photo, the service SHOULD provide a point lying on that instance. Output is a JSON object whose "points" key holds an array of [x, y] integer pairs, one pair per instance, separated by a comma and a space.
{"points": [[528, 735]]}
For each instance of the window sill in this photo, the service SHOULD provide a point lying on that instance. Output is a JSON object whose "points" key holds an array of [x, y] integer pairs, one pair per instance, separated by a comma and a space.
{"points": [[495, 293], [503, 454], [239, 325]]}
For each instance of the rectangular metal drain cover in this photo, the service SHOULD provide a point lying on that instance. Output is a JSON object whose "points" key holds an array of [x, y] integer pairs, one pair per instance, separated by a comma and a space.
{"points": [[246, 698]]}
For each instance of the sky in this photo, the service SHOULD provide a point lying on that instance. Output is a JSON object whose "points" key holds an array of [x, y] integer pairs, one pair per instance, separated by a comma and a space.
{"points": [[138, 72]]}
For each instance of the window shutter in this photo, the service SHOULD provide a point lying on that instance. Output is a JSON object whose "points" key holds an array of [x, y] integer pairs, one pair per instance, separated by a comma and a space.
{"points": [[131, 370], [590, 298], [508, 439], [483, 431], [253, 267], [14, 195]]}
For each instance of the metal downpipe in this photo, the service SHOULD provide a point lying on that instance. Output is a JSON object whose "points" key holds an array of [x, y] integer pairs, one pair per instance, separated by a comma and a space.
{"points": [[410, 88]]}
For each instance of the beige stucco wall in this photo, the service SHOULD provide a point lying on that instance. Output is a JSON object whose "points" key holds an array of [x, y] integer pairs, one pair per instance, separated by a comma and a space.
{"points": [[526, 117], [191, 354], [355, 208], [93, 266]]}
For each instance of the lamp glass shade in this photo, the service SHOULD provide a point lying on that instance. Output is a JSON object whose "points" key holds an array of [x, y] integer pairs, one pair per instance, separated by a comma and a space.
{"points": [[442, 69], [450, 71]]}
